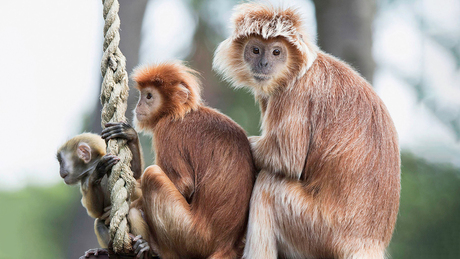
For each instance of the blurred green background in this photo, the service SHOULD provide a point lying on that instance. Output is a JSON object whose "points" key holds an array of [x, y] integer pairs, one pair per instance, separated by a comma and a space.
{"points": [[48, 221]]}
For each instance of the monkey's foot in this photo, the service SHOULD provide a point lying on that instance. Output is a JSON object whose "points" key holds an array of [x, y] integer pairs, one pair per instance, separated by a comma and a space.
{"points": [[141, 247], [95, 252]]}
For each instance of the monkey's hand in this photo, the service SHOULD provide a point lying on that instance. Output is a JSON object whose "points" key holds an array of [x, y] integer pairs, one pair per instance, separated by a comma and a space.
{"points": [[121, 130], [125, 131], [95, 252], [141, 247], [104, 166]]}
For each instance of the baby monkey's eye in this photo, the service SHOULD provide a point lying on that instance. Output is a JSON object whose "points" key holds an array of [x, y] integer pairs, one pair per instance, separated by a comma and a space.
{"points": [[276, 52], [149, 96], [255, 50]]}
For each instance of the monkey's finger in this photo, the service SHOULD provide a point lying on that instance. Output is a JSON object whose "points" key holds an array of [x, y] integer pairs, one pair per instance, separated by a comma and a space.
{"points": [[113, 127], [140, 246], [110, 131], [106, 215], [136, 238], [121, 135], [109, 159], [126, 126], [112, 135], [110, 124], [145, 251], [112, 160], [106, 158], [106, 163], [110, 164]]}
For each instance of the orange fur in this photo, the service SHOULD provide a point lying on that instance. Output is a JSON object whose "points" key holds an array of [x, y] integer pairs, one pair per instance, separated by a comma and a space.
{"points": [[330, 170], [196, 197], [168, 77]]}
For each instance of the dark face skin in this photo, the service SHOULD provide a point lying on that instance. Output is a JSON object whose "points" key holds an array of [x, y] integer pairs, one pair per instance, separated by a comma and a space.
{"points": [[71, 167], [265, 57]]}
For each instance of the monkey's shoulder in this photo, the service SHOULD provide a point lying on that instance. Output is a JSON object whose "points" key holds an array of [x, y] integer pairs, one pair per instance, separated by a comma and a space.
{"points": [[207, 122], [335, 82], [337, 74]]}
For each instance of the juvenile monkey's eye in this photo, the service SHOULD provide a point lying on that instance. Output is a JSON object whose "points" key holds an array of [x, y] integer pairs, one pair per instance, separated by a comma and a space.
{"points": [[149, 96], [255, 50], [276, 52]]}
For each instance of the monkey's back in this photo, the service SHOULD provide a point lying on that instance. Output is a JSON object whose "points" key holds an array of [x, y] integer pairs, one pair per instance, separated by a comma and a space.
{"points": [[352, 166], [209, 152], [354, 151]]}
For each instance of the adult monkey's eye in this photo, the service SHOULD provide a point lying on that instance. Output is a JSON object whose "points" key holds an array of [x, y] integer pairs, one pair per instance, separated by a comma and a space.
{"points": [[255, 50], [149, 96], [276, 52]]}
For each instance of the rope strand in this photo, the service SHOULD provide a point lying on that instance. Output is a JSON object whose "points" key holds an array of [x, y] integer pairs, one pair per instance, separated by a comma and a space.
{"points": [[114, 96]]}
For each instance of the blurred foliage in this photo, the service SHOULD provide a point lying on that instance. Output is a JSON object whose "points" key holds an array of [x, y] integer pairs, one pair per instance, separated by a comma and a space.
{"points": [[447, 41], [35, 221], [428, 224]]}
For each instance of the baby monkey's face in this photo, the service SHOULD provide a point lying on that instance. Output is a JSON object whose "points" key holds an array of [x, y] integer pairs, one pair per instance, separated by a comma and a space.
{"points": [[265, 58], [149, 103]]}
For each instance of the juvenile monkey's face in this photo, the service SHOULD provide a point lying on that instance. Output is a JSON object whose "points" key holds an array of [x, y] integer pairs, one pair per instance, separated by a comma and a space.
{"points": [[265, 58], [68, 168], [149, 103]]}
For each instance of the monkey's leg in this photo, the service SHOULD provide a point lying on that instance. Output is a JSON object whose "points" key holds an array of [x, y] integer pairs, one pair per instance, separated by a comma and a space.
{"points": [[280, 219], [260, 239], [286, 220], [167, 212], [140, 234], [103, 238], [102, 233]]}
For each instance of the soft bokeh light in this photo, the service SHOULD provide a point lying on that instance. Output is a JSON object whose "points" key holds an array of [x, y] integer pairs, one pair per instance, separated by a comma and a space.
{"points": [[407, 56], [167, 31], [50, 54], [49, 69], [50, 72]]}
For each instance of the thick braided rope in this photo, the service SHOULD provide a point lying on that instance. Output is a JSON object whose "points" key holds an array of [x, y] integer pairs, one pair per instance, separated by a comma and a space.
{"points": [[114, 95]]}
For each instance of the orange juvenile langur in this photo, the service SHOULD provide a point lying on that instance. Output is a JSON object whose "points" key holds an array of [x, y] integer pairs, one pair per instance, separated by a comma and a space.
{"points": [[329, 183], [196, 198], [83, 160]]}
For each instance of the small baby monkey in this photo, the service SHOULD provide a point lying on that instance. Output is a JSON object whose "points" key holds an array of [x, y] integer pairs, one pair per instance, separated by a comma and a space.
{"points": [[83, 160]]}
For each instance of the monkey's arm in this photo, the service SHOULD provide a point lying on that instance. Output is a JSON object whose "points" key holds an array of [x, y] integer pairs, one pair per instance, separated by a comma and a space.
{"points": [[139, 230], [283, 151], [93, 188], [126, 131]]}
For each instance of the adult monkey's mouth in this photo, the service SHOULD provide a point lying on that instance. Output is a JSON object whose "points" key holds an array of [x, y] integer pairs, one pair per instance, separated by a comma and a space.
{"points": [[261, 77]]}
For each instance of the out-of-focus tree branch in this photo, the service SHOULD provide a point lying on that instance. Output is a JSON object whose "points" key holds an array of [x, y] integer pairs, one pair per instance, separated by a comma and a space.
{"points": [[345, 31]]}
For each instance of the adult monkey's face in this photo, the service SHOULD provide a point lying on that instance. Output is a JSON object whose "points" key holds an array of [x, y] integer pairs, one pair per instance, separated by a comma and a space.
{"points": [[265, 58]]}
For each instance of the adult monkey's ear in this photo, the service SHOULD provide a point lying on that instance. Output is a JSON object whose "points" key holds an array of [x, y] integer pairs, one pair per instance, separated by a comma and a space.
{"points": [[84, 152]]}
